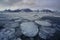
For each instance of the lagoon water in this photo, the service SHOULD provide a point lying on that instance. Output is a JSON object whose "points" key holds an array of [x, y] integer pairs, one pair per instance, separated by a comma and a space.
{"points": [[37, 22]]}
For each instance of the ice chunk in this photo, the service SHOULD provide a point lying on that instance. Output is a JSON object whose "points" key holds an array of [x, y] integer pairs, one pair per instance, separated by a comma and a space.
{"points": [[56, 26], [18, 32], [43, 35], [48, 29], [18, 38], [11, 24], [43, 23], [46, 32], [7, 33], [29, 29], [19, 19]]}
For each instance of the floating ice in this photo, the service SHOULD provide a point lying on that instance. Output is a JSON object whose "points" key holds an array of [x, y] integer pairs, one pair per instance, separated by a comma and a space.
{"points": [[18, 32], [48, 29], [16, 39], [46, 32], [29, 29], [43, 35], [43, 23], [7, 33], [11, 24], [57, 27]]}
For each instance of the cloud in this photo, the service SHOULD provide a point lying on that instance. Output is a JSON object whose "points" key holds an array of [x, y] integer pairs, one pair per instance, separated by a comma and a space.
{"points": [[33, 4], [8, 2]]}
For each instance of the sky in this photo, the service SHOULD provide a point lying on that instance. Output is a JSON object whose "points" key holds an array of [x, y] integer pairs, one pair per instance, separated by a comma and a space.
{"points": [[32, 4]]}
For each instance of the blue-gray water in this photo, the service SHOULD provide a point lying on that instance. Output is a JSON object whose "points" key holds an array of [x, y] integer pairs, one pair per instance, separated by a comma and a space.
{"points": [[13, 26]]}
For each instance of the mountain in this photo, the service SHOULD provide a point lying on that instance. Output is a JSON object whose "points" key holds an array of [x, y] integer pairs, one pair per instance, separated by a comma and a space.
{"points": [[18, 10], [26, 10], [47, 10]]}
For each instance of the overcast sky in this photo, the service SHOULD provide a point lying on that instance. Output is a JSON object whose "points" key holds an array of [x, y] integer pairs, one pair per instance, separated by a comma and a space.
{"points": [[33, 4]]}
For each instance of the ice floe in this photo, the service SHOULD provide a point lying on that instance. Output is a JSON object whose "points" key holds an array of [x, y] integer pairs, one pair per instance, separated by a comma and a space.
{"points": [[29, 29], [43, 23]]}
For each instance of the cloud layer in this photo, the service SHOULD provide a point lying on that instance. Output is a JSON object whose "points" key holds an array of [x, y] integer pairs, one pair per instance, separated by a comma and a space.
{"points": [[33, 4]]}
